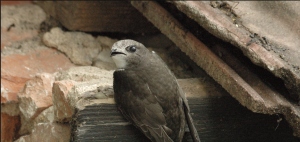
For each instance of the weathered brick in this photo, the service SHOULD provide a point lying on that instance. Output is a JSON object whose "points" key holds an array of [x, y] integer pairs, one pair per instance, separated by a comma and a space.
{"points": [[19, 22], [14, 2], [63, 111], [80, 47], [16, 69], [48, 132], [9, 127], [76, 84], [36, 95], [46, 116]]}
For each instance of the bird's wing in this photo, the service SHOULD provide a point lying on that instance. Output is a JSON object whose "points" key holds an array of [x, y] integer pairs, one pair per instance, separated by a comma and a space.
{"points": [[139, 106], [182, 94], [188, 116]]}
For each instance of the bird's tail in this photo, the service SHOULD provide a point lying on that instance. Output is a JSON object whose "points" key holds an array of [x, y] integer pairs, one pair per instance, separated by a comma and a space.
{"points": [[191, 125]]}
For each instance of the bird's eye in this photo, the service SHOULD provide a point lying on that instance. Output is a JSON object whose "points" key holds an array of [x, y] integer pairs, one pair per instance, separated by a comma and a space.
{"points": [[131, 48]]}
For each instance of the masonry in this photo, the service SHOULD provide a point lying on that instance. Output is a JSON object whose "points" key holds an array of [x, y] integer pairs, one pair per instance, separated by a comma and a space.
{"points": [[56, 82]]}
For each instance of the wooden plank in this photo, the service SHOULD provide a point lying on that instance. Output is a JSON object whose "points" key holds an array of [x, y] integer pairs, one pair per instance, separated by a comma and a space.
{"points": [[98, 16], [216, 119], [217, 116], [239, 83], [243, 25]]}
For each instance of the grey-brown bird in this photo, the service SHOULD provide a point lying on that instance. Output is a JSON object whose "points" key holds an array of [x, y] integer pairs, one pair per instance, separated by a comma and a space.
{"points": [[148, 95]]}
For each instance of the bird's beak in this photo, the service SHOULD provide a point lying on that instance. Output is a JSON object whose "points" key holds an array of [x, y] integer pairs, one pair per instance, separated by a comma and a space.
{"points": [[115, 52]]}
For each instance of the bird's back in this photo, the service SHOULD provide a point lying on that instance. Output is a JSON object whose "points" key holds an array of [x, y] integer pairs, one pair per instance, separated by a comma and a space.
{"points": [[154, 78]]}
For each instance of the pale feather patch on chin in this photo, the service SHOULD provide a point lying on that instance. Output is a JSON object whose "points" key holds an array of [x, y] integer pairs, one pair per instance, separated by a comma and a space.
{"points": [[120, 61]]}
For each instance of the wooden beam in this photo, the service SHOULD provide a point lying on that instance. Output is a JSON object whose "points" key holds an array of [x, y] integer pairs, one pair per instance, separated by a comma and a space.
{"points": [[241, 84], [216, 119], [217, 116], [98, 16]]}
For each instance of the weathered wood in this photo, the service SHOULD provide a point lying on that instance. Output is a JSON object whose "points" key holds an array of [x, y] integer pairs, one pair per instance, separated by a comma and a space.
{"points": [[217, 116], [98, 16], [251, 93], [246, 18], [216, 119]]}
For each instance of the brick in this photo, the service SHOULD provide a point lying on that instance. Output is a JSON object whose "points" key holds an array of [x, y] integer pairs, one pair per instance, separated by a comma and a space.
{"points": [[75, 85], [48, 132], [11, 109], [80, 47], [63, 111], [16, 69], [36, 95], [81, 95], [8, 37], [9, 127], [14, 2], [19, 22], [9, 90], [86, 73], [103, 59], [26, 125], [46, 116]]}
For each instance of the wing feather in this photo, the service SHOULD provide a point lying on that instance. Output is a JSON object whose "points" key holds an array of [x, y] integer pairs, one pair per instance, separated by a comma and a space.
{"points": [[140, 107], [189, 119]]}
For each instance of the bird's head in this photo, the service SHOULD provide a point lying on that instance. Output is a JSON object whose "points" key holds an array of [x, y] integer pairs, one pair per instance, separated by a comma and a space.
{"points": [[128, 53]]}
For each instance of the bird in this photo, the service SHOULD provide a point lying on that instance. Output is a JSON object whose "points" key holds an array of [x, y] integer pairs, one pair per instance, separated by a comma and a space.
{"points": [[148, 95]]}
